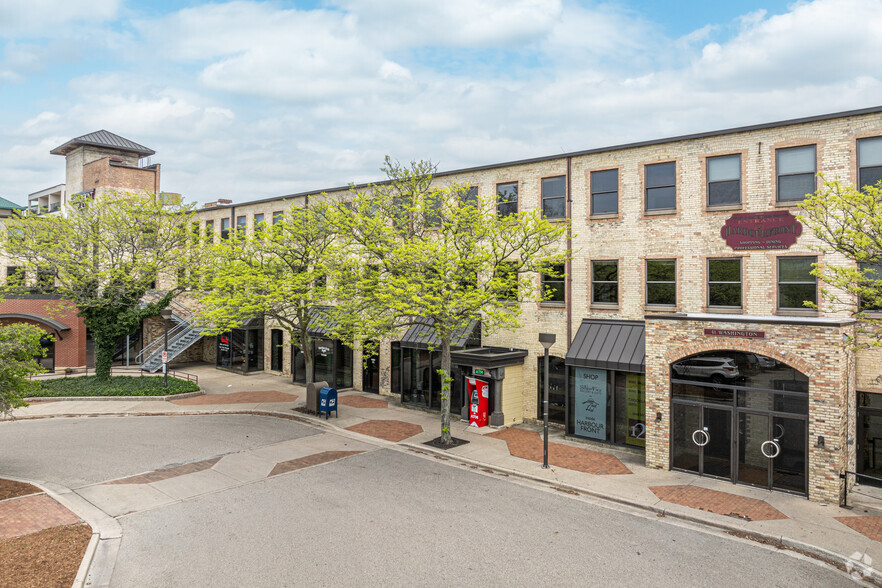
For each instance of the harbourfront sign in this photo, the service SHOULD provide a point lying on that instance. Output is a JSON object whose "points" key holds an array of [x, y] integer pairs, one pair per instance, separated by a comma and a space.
{"points": [[759, 231], [743, 334]]}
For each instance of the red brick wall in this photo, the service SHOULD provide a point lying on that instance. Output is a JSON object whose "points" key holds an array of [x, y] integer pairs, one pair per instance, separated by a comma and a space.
{"points": [[100, 174], [70, 346]]}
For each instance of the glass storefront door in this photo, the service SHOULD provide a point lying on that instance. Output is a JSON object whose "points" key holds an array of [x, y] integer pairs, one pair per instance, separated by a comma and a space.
{"points": [[869, 437], [276, 338], [701, 439], [772, 451], [370, 378]]}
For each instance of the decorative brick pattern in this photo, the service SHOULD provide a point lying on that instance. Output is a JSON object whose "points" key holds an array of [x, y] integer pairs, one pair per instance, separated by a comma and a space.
{"points": [[721, 503], [167, 473], [389, 430], [528, 445], [255, 397], [867, 526], [29, 514], [310, 460], [362, 402]]}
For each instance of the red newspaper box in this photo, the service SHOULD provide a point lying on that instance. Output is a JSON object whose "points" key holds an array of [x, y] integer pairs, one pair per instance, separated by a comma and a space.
{"points": [[479, 400]]}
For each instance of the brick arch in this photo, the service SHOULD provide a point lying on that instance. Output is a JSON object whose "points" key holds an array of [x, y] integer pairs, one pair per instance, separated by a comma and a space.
{"points": [[736, 345]]}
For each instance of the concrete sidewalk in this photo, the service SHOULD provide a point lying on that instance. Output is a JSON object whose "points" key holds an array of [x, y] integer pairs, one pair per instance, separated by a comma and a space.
{"points": [[850, 538]]}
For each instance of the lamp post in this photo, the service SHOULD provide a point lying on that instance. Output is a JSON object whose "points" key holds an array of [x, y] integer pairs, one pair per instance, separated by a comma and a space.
{"points": [[166, 315], [547, 340]]}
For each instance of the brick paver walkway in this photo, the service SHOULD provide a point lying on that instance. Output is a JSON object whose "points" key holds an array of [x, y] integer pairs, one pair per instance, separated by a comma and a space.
{"points": [[528, 445], [168, 473], [29, 514], [389, 430], [722, 503], [253, 397], [310, 460], [362, 402], [867, 526]]}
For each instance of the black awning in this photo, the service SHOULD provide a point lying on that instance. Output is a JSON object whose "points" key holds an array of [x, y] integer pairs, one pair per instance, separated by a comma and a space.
{"points": [[612, 345], [37, 318], [422, 336], [320, 323]]}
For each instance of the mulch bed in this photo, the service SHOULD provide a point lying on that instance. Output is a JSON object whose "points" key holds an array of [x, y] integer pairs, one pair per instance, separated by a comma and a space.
{"points": [[13, 489], [48, 558], [436, 443]]}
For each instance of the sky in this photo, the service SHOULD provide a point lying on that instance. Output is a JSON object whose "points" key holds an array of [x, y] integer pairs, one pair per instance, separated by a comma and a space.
{"points": [[249, 99]]}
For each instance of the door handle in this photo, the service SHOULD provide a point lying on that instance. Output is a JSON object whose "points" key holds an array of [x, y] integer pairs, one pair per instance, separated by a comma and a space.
{"points": [[773, 447], [700, 432]]}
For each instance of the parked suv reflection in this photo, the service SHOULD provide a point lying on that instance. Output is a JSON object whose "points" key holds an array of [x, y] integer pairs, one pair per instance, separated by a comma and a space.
{"points": [[718, 370]]}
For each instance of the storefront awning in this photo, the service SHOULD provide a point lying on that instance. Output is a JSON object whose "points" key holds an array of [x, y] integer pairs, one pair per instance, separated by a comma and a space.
{"points": [[612, 345], [320, 324], [422, 336], [53, 324]]}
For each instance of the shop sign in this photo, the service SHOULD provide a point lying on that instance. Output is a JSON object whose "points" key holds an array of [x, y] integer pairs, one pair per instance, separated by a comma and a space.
{"points": [[761, 231], [635, 409], [479, 372], [224, 346], [590, 403], [741, 334]]}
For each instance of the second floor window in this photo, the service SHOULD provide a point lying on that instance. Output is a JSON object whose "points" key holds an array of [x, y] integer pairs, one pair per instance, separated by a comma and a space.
{"points": [[873, 280], [554, 195], [506, 273], [14, 275], [724, 283], [661, 282], [796, 172], [554, 284], [258, 222], [507, 199], [278, 216], [241, 224], [225, 228], [605, 282], [661, 186], [869, 161], [605, 192], [209, 231], [796, 284], [724, 180]]}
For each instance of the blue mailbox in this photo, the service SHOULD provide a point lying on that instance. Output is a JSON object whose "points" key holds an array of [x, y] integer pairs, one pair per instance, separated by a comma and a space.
{"points": [[328, 402]]}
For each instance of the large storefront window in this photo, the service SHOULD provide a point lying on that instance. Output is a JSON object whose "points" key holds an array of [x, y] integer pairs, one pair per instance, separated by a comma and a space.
{"points": [[331, 363], [869, 433], [415, 376], [607, 405], [742, 417], [241, 350], [557, 384]]}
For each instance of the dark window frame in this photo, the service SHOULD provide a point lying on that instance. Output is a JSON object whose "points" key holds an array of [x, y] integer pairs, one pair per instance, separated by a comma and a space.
{"points": [[595, 282], [555, 283], [780, 283], [860, 168], [649, 190], [553, 199], [864, 266], [648, 282], [595, 179], [711, 282], [225, 230], [507, 203], [779, 175], [711, 184]]}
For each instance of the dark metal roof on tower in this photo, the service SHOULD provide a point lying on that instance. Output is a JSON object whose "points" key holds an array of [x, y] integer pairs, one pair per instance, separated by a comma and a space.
{"points": [[103, 139]]}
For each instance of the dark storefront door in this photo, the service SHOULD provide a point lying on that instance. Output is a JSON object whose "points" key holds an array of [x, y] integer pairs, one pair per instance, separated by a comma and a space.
{"points": [[370, 380], [772, 451], [869, 435], [276, 351], [702, 439]]}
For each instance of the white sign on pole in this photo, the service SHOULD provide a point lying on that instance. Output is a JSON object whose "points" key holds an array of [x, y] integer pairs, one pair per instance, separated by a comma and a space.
{"points": [[165, 357]]}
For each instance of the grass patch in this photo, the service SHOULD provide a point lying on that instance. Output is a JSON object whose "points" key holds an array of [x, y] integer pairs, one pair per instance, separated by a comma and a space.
{"points": [[115, 386]]}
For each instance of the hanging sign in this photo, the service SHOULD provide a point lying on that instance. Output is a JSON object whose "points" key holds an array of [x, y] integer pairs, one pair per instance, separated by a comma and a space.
{"points": [[761, 231], [590, 403]]}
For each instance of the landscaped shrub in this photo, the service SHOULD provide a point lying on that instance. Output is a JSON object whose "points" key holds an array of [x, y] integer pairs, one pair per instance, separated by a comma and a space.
{"points": [[115, 386]]}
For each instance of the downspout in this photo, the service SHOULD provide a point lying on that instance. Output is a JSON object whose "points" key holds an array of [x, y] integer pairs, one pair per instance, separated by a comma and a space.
{"points": [[569, 266]]}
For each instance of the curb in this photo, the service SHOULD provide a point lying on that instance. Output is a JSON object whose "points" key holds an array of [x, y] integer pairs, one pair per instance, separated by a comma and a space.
{"points": [[839, 561], [167, 397]]}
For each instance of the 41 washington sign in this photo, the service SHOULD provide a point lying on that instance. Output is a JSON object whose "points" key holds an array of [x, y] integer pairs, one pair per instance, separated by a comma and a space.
{"points": [[751, 231]]}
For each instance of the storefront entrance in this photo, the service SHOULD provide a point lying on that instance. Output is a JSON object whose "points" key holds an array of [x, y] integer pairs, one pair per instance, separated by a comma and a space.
{"points": [[370, 376], [741, 417]]}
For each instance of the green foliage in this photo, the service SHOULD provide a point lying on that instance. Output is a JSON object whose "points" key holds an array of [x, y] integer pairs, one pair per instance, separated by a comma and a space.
{"points": [[19, 348], [114, 386], [416, 251], [848, 221], [104, 255], [279, 272]]}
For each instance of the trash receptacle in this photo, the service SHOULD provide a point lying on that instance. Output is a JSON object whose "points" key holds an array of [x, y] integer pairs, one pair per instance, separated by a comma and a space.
{"points": [[312, 395], [328, 402]]}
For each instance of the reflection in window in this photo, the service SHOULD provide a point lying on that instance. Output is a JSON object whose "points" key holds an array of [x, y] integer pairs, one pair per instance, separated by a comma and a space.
{"points": [[557, 381], [724, 282], [796, 284], [796, 168], [605, 282], [553, 286], [661, 281], [605, 192], [724, 180], [554, 192], [661, 186], [507, 199]]}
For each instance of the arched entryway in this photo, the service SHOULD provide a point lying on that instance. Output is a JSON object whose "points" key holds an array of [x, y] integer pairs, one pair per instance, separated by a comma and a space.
{"points": [[740, 416]]}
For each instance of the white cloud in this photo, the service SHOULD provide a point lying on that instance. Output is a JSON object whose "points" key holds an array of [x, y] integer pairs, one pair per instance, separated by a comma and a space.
{"points": [[22, 18]]}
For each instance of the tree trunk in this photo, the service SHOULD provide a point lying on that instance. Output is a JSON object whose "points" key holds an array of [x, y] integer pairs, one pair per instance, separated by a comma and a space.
{"points": [[103, 357], [306, 348], [444, 372]]}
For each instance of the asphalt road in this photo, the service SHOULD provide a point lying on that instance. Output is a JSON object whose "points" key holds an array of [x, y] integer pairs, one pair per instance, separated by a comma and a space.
{"points": [[383, 517]]}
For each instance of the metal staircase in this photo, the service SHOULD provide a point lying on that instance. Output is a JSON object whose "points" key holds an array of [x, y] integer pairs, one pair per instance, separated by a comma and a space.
{"points": [[181, 335]]}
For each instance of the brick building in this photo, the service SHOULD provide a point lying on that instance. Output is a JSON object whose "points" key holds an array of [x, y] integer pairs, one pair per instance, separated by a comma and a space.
{"points": [[680, 326]]}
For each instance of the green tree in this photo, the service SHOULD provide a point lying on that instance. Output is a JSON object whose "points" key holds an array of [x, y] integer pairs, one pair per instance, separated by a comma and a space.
{"points": [[19, 349], [419, 253], [278, 272], [104, 255], [848, 221]]}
